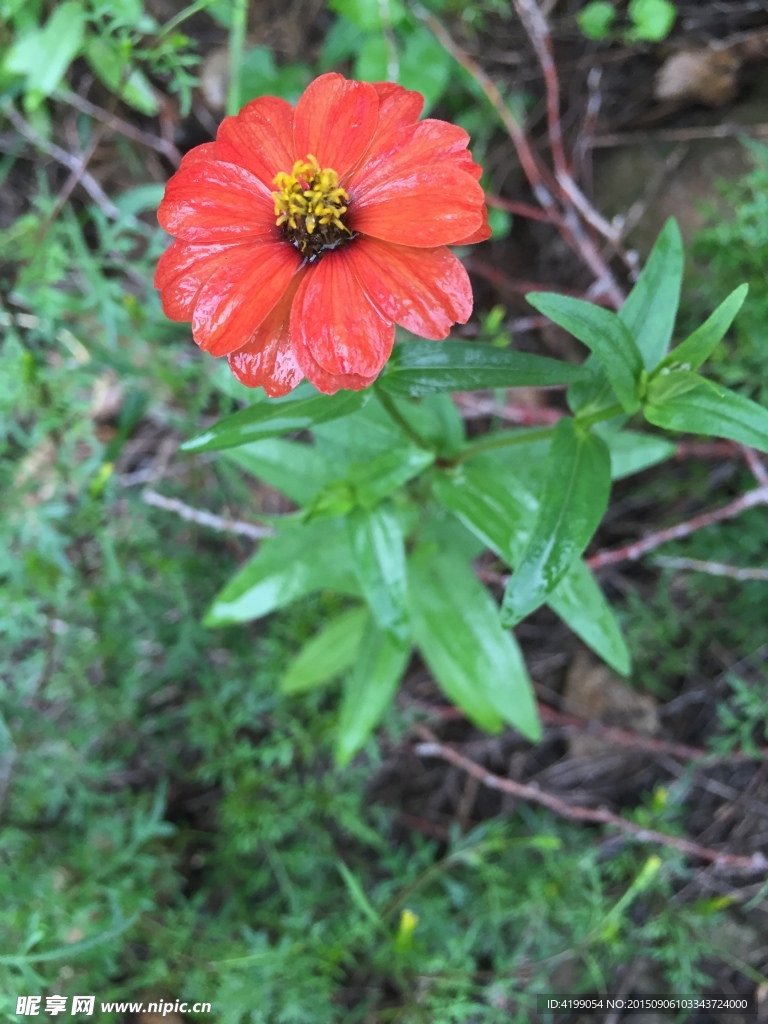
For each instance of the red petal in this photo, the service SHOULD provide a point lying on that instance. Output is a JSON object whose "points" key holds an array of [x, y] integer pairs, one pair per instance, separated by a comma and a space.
{"points": [[428, 208], [329, 383], [482, 233], [238, 296], [183, 269], [335, 120], [267, 360], [259, 138], [206, 151], [415, 147], [426, 291], [209, 201], [335, 326], [398, 107]]}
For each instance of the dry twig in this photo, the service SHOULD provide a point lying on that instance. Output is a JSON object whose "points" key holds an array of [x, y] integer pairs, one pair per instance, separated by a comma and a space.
{"points": [[204, 518], [593, 815], [631, 552], [712, 568], [76, 165]]}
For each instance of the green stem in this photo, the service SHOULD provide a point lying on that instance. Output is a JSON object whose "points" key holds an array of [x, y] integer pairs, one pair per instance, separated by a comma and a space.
{"points": [[509, 438], [598, 417], [236, 49], [395, 414], [504, 439]]}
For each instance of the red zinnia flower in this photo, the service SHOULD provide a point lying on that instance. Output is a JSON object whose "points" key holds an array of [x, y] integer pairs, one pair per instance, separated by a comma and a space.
{"points": [[303, 236]]}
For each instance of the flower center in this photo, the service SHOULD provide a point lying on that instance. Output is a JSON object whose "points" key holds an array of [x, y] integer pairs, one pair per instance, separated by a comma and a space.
{"points": [[309, 206]]}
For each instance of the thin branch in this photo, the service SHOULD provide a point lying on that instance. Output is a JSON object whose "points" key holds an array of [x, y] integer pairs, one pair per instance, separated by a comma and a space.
{"points": [[121, 126], [535, 25], [752, 459], [203, 518], [717, 131], [547, 187], [538, 174], [76, 165], [631, 552], [521, 209], [712, 568], [594, 815], [625, 738], [612, 734]]}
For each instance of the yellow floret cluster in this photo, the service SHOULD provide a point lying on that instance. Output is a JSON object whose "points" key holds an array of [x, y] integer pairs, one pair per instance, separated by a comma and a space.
{"points": [[309, 197]]}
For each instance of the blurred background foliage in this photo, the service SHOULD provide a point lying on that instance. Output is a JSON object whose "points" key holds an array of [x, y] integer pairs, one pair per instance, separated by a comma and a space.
{"points": [[175, 828]]}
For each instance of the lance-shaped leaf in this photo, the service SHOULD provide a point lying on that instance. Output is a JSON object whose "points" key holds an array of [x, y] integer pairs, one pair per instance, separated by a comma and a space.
{"points": [[716, 412], [328, 654], [378, 549], [648, 313], [299, 470], [375, 480], [502, 515], [573, 501], [423, 367], [582, 606], [455, 624], [699, 346], [369, 689], [271, 419], [651, 307], [298, 561], [632, 451], [604, 334]]}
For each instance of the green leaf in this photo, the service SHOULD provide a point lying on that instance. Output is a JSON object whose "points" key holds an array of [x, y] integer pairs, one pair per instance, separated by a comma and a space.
{"points": [[502, 515], [604, 334], [668, 384], [328, 654], [378, 548], [574, 499], [44, 55], [715, 412], [653, 19], [456, 626], [422, 367], [368, 691], [372, 60], [581, 604], [362, 436], [300, 560], [649, 314], [424, 66], [651, 307], [520, 454], [699, 346], [632, 451], [271, 419], [299, 470], [596, 18], [436, 419], [373, 481], [110, 63], [369, 15]]}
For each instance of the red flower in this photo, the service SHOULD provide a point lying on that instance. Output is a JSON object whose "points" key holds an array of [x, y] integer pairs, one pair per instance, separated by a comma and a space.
{"points": [[303, 236]]}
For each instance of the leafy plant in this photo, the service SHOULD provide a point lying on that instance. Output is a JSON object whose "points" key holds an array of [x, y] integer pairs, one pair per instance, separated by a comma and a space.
{"points": [[651, 20], [398, 502]]}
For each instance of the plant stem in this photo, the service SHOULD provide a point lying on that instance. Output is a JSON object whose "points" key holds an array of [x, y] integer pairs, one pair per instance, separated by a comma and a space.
{"points": [[509, 438], [395, 414], [504, 439], [236, 48], [599, 417]]}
